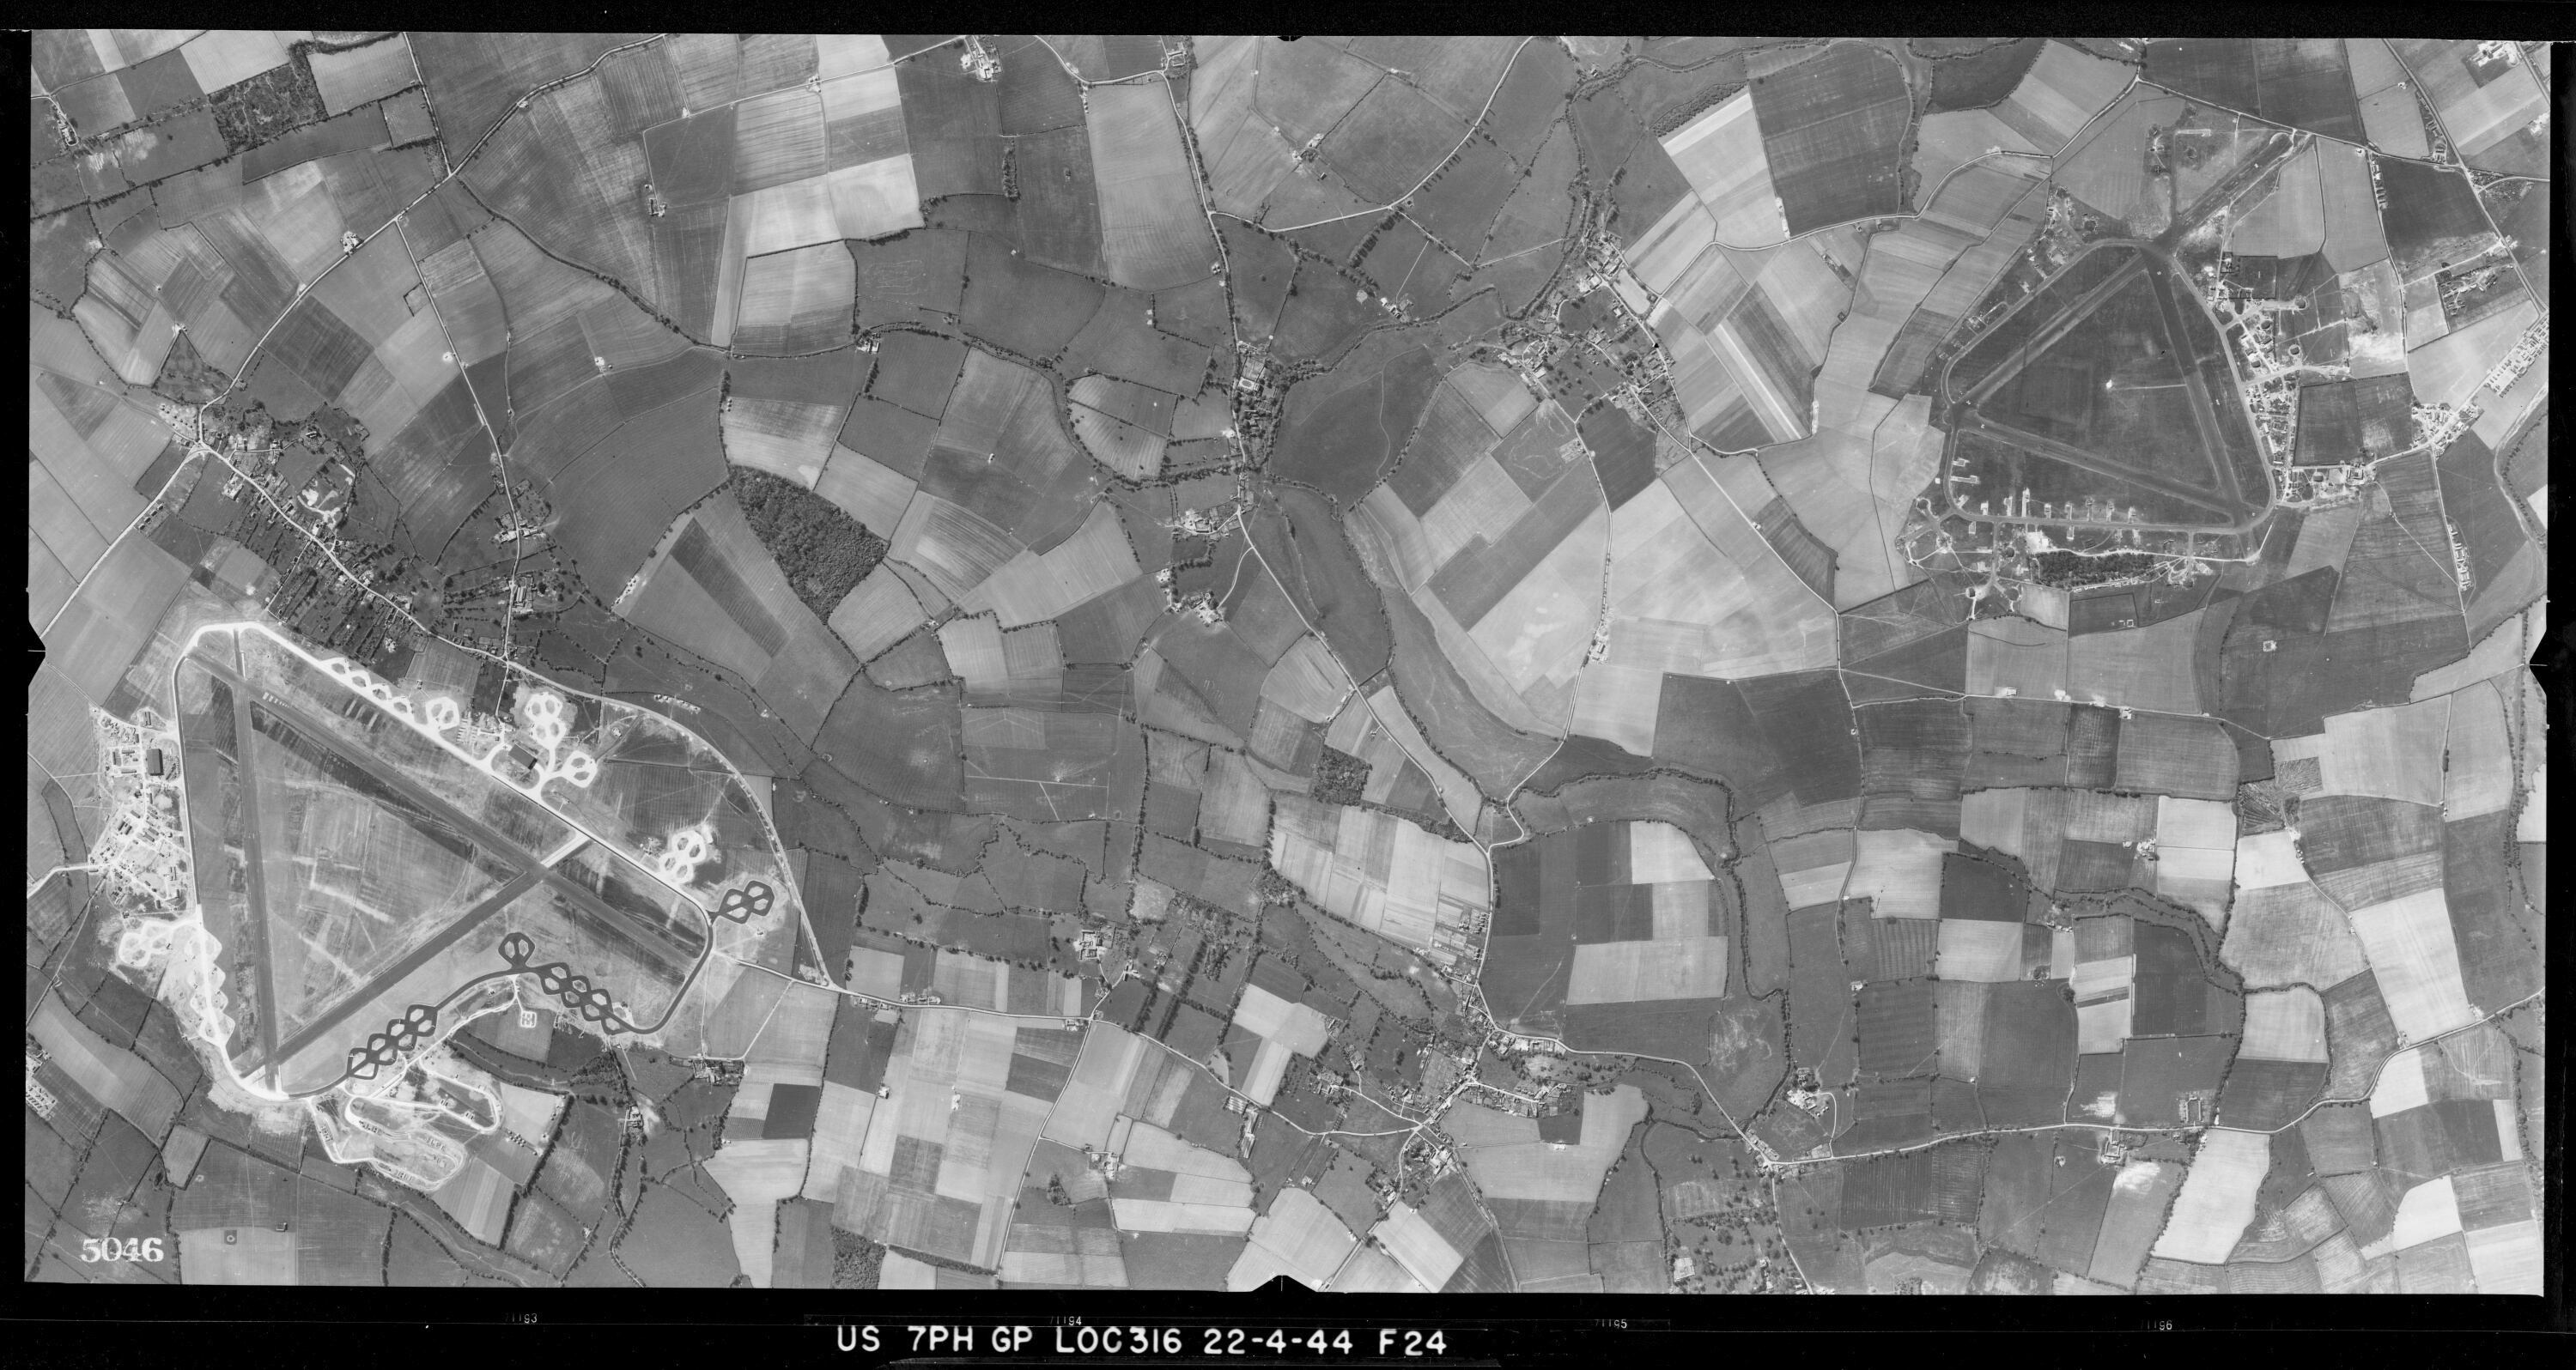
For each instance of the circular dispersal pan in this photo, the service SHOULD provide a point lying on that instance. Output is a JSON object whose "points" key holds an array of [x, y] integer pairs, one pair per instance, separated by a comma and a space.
{"points": [[574, 991]]}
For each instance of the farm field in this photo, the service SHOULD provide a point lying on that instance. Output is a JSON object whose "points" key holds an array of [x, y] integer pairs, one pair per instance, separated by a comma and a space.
{"points": [[1411, 665]]}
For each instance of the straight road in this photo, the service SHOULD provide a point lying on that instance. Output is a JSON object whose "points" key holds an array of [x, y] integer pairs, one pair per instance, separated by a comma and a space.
{"points": [[2225, 496], [2204, 412], [2274, 150], [607, 919], [2075, 312], [418, 956], [254, 858], [2089, 461]]}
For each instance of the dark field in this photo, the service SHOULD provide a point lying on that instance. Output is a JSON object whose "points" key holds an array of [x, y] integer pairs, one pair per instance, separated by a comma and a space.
{"points": [[2432, 216], [618, 500], [1780, 734], [1979, 77], [2342, 420], [953, 123], [1833, 128], [2301, 82], [904, 745], [1031, 309], [2478, 507]]}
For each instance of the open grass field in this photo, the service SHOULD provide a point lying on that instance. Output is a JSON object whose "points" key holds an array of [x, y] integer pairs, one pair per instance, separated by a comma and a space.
{"points": [[353, 132], [358, 76], [1152, 234], [795, 302], [1832, 131], [1351, 421], [953, 125], [2301, 82]]}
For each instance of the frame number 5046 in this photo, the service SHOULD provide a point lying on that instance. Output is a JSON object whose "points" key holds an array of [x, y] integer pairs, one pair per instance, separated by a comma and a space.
{"points": [[121, 1249]]}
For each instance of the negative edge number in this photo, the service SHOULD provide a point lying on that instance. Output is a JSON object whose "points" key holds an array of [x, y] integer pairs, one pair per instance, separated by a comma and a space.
{"points": [[1075, 1337]]}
